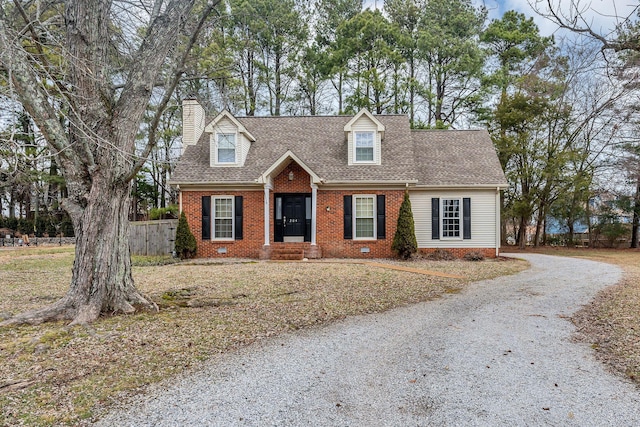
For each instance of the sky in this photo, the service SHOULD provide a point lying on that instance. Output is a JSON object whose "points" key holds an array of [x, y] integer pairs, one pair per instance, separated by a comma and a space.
{"points": [[600, 13]]}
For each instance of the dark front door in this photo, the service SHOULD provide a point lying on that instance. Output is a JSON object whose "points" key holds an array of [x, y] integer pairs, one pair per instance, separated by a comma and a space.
{"points": [[292, 217]]}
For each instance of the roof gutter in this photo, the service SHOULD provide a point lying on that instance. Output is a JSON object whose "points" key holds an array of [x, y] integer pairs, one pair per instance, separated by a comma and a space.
{"points": [[216, 184], [403, 182], [463, 187]]}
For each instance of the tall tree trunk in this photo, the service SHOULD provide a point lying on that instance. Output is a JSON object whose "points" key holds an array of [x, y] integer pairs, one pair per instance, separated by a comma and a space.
{"points": [[338, 87], [588, 218], [570, 235], [53, 192], [536, 239], [412, 91], [250, 107], [278, 84], [340, 95], [636, 217], [522, 233], [101, 279], [12, 204]]}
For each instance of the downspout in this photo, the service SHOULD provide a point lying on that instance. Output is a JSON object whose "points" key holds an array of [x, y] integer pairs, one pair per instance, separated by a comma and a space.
{"points": [[314, 214], [267, 212], [498, 225]]}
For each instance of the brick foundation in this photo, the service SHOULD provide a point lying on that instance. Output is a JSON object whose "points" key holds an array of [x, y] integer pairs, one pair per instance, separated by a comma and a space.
{"points": [[461, 252]]}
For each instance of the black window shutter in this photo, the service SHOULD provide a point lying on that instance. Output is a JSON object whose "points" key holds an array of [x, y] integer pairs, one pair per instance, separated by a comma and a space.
{"points": [[380, 213], [435, 218], [206, 217], [466, 218], [348, 218], [238, 218]]}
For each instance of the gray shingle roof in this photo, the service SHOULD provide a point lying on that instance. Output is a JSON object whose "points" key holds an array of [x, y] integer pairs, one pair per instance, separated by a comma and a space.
{"points": [[456, 158], [426, 157]]}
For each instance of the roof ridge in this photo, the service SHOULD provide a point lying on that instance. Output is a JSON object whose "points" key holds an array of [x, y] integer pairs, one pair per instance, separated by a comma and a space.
{"points": [[449, 130], [318, 116]]}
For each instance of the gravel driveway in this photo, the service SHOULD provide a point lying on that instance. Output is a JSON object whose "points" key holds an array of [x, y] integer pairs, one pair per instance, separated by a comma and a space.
{"points": [[499, 353]]}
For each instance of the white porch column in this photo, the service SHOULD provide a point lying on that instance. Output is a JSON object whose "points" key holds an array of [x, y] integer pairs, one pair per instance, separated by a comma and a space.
{"points": [[314, 206], [267, 213], [498, 222]]}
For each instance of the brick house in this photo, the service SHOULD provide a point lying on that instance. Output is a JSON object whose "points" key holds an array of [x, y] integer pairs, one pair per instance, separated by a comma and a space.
{"points": [[332, 186]]}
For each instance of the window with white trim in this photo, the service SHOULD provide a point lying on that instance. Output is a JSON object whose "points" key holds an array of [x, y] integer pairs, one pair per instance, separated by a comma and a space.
{"points": [[364, 147], [451, 218], [223, 217], [226, 148], [364, 218]]}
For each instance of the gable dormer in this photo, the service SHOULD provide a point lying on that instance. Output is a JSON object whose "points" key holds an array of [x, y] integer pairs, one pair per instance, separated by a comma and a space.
{"points": [[229, 141], [364, 139]]}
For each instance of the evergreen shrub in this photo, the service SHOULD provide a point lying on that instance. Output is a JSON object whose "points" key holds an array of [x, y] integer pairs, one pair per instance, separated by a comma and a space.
{"points": [[186, 245], [404, 241]]}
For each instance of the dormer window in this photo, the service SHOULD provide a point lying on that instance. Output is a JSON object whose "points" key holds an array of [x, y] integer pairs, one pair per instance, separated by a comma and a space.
{"points": [[364, 135], [364, 147], [226, 148], [229, 141]]}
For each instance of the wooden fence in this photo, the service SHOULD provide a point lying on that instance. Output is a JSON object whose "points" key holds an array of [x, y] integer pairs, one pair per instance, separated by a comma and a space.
{"points": [[152, 237]]}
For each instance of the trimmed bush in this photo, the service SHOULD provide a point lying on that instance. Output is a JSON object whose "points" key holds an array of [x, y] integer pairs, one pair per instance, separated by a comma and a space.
{"points": [[474, 256], [186, 245], [404, 242], [441, 255]]}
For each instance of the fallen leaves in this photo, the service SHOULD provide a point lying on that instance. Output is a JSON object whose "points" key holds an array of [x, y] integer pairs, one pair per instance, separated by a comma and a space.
{"points": [[611, 322], [205, 309]]}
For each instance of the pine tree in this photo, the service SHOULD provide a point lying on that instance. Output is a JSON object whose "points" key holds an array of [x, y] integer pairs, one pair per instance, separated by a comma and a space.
{"points": [[185, 240], [404, 242]]}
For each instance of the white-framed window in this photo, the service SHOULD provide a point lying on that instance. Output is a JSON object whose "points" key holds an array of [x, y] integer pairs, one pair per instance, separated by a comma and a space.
{"points": [[226, 148], [451, 218], [364, 144], [364, 207], [223, 217]]}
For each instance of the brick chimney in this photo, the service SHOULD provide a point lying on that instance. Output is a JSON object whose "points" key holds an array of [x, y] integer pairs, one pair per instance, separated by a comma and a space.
{"points": [[193, 118]]}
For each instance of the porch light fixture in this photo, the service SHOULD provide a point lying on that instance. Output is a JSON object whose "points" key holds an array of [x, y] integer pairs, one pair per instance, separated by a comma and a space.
{"points": [[291, 176]]}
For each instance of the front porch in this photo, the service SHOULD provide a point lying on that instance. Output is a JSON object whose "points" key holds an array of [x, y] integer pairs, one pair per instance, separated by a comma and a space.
{"points": [[290, 196]]}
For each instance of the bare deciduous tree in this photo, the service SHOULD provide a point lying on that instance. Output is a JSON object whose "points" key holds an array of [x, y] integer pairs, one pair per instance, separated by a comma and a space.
{"points": [[572, 15], [85, 71]]}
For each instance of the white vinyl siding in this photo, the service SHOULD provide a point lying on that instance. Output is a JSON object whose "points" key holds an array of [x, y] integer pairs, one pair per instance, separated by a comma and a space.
{"points": [[193, 118], [364, 218], [223, 218], [483, 218]]}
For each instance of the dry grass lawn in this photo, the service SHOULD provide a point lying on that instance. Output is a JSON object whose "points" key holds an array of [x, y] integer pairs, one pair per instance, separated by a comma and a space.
{"points": [[54, 375], [611, 322]]}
